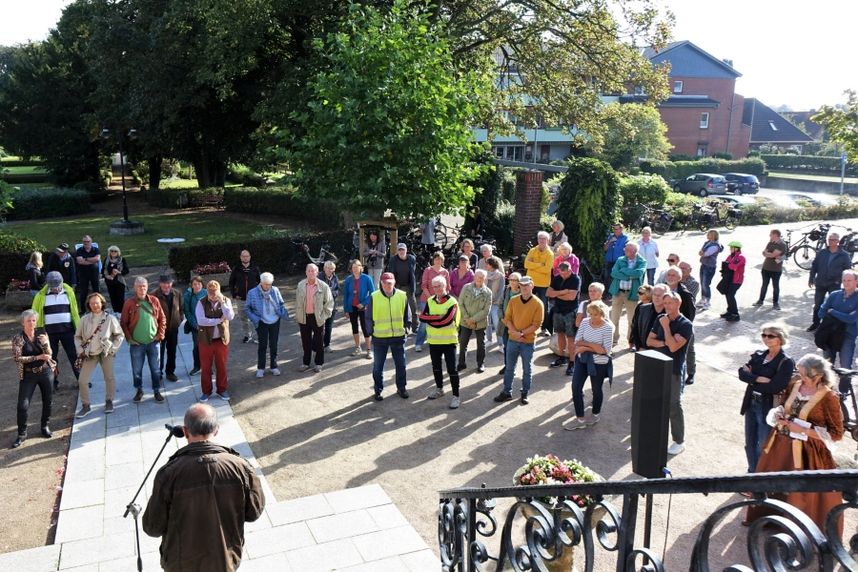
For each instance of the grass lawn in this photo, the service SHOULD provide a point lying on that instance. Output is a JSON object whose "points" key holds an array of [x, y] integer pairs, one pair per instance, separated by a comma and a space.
{"points": [[25, 170], [827, 178], [141, 249]]}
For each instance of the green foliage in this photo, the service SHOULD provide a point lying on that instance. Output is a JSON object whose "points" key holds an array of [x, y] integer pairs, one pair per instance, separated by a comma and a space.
{"points": [[15, 252], [245, 175], [682, 157], [809, 164], [722, 155], [18, 162], [183, 198], [588, 204], [681, 169], [387, 123], [501, 226], [650, 190], [48, 203], [841, 123], [286, 201], [508, 185], [632, 131]]}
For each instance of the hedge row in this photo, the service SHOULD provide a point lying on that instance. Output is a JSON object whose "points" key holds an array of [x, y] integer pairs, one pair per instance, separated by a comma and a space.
{"points": [[269, 254], [182, 198], [15, 178], [15, 252], [286, 201], [808, 163], [681, 169], [48, 203], [20, 163]]}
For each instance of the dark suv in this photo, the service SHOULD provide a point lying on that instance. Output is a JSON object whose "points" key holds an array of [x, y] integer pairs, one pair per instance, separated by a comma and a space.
{"points": [[742, 183], [701, 184]]}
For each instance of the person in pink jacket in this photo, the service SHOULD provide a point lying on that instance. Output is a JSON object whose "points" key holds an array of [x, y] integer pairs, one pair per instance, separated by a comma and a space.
{"points": [[732, 276]]}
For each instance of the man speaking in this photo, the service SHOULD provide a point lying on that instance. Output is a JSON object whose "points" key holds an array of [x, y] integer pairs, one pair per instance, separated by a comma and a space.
{"points": [[201, 499]]}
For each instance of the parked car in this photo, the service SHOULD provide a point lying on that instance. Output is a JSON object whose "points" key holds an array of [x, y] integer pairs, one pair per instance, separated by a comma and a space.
{"points": [[742, 183], [700, 184]]}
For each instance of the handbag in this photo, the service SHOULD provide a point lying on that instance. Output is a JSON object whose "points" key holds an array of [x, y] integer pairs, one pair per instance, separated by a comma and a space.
{"points": [[187, 327]]}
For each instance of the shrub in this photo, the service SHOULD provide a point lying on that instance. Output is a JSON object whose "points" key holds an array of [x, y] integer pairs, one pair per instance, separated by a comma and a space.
{"points": [[500, 227], [508, 185], [97, 192], [245, 175], [681, 157], [14, 178], [648, 190], [17, 162], [47, 203], [286, 201], [808, 164], [182, 198], [722, 155], [15, 252], [681, 169]]}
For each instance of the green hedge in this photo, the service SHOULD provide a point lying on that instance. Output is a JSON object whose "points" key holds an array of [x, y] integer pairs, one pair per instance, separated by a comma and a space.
{"points": [[282, 200], [270, 254], [20, 163], [15, 178], [15, 252], [48, 203], [808, 164], [181, 198], [681, 169]]}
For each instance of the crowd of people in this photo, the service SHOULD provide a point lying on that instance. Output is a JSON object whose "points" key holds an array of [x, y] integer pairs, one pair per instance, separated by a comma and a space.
{"points": [[386, 305]]}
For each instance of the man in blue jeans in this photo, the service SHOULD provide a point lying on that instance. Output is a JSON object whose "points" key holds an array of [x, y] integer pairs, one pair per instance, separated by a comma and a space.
{"points": [[523, 317], [843, 305], [387, 314], [144, 324]]}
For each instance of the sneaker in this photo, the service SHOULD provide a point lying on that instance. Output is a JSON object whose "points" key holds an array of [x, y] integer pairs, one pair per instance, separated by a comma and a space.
{"points": [[275, 371], [503, 396], [46, 432], [776, 306], [418, 349], [436, 393], [461, 367], [403, 393], [570, 368], [725, 314], [559, 361], [84, 410], [254, 340], [690, 380], [675, 448], [19, 440], [304, 367], [368, 354], [245, 340], [172, 377], [812, 328], [317, 369], [327, 349], [159, 397], [733, 318], [356, 352], [481, 368], [260, 373], [204, 397], [523, 399], [757, 304], [138, 396], [194, 371], [108, 407], [224, 395], [591, 419], [576, 423], [454, 403], [378, 396]]}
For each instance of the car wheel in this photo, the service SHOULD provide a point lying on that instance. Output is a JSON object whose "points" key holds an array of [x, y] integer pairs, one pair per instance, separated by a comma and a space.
{"points": [[702, 193], [677, 189]]}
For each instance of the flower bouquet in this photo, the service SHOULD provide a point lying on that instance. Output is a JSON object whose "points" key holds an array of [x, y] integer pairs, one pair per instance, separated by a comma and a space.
{"points": [[550, 470]]}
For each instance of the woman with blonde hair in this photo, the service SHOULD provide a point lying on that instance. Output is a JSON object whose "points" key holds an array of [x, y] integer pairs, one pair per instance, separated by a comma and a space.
{"points": [[357, 288], [97, 340], [34, 272], [592, 358], [114, 270]]}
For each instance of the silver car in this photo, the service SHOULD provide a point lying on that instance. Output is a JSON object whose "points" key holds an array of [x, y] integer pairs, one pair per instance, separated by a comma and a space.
{"points": [[701, 184]]}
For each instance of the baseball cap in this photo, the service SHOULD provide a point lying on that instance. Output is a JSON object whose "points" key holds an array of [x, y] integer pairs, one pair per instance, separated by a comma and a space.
{"points": [[54, 279], [165, 279], [388, 277], [401, 246], [63, 246], [525, 280]]}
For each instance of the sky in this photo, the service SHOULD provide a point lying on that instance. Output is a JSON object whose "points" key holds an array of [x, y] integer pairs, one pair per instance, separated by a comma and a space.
{"points": [[798, 53]]}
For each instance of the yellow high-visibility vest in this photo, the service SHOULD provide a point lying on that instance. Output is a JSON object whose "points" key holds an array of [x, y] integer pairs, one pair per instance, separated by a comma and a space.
{"points": [[388, 314], [448, 334]]}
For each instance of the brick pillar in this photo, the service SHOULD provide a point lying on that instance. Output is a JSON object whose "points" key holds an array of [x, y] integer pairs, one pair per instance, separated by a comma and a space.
{"points": [[528, 195]]}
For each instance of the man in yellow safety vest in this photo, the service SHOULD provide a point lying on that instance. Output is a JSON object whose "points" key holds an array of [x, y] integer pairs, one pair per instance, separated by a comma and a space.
{"points": [[387, 314]]}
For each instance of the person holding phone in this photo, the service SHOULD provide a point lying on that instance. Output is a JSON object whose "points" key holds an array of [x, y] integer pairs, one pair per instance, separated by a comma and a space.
{"points": [[31, 351]]}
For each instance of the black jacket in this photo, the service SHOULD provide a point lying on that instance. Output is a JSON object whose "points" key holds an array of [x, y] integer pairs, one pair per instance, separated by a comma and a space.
{"points": [[779, 371], [642, 323], [828, 267], [242, 280]]}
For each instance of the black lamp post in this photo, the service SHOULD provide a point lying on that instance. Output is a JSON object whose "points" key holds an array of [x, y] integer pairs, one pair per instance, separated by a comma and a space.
{"points": [[131, 134]]}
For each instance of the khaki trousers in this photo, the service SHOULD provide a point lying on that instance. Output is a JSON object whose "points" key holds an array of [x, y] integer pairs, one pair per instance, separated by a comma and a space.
{"points": [[86, 375], [620, 301]]}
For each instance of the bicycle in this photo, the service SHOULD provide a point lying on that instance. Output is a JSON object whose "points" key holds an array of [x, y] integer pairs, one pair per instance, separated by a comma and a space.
{"points": [[804, 249], [709, 215], [850, 419], [302, 256], [657, 219]]}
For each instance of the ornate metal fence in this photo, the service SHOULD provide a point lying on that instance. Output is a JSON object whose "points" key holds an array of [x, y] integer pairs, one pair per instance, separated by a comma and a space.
{"points": [[787, 539]]}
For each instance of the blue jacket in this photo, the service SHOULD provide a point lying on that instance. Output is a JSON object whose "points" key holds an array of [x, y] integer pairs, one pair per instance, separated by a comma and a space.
{"points": [[844, 309], [253, 304], [366, 288], [828, 267], [616, 250], [189, 305]]}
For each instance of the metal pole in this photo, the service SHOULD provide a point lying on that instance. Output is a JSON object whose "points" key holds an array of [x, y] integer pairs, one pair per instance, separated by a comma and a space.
{"points": [[535, 141], [842, 171], [122, 170]]}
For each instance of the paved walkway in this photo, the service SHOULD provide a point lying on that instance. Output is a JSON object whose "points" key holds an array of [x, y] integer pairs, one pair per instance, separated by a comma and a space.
{"points": [[353, 529]]}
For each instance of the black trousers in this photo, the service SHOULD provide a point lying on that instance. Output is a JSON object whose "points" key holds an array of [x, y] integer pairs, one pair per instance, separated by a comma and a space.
{"points": [[269, 335], [87, 280], [448, 352], [465, 338], [775, 278], [732, 307], [67, 341], [819, 297], [312, 337], [27, 387], [116, 291], [171, 339]]}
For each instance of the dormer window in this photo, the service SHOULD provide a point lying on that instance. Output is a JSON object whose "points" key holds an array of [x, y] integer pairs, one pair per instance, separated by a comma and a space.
{"points": [[677, 86]]}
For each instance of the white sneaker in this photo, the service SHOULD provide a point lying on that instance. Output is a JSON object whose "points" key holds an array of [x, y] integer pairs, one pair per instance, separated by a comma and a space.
{"points": [[275, 371], [454, 403], [260, 373], [357, 351], [675, 448], [368, 354], [436, 393], [576, 423], [591, 419], [303, 367], [418, 348], [317, 369]]}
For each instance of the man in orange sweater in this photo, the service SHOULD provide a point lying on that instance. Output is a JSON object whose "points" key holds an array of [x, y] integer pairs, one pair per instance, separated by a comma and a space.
{"points": [[523, 317]]}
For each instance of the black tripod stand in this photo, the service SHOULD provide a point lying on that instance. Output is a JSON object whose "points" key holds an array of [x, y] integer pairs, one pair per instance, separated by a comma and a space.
{"points": [[134, 508]]}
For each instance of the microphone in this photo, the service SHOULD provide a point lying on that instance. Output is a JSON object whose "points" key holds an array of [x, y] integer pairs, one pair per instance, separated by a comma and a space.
{"points": [[175, 430]]}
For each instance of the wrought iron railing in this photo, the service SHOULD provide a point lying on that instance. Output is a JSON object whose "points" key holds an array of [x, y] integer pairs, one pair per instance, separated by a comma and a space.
{"points": [[537, 534]]}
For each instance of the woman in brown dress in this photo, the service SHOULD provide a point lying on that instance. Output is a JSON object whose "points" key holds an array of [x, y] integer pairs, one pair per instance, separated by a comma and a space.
{"points": [[803, 433]]}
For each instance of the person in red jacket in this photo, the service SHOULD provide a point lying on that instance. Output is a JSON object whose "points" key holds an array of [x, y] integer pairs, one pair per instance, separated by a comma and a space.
{"points": [[144, 325]]}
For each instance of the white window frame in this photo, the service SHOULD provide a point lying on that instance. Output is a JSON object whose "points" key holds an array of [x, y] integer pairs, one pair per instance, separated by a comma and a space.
{"points": [[677, 86], [772, 125], [704, 120], [701, 150]]}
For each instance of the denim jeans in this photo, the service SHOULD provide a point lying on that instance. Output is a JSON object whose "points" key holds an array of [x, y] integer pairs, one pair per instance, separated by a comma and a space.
{"points": [[650, 276], [845, 355], [541, 292], [379, 356], [707, 273], [421, 329], [579, 376], [268, 335], [148, 352], [513, 351], [492, 328], [756, 432]]}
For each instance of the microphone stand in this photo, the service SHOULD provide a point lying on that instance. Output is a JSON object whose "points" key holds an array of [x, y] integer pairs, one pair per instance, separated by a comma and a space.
{"points": [[133, 508]]}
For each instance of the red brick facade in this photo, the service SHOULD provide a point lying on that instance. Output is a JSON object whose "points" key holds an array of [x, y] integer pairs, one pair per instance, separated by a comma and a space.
{"points": [[528, 197]]}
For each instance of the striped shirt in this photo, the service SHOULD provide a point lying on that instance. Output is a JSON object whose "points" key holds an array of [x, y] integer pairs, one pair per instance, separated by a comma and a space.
{"points": [[603, 335], [57, 311]]}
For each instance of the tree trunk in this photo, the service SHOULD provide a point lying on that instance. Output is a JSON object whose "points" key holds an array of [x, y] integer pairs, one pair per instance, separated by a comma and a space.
{"points": [[154, 173], [210, 172]]}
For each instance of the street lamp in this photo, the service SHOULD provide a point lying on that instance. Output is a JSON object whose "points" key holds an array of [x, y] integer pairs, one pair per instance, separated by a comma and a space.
{"points": [[125, 226]]}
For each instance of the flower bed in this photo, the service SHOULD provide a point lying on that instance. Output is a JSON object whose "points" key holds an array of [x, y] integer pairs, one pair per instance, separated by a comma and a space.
{"points": [[18, 295], [219, 271]]}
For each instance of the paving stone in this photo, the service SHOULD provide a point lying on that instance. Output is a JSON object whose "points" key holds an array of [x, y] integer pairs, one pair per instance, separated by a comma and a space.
{"points": [[261, 523], [101, 549], [327, 556], [151, 561], [85, 568], [271, 563], [394, 564], [78, 523], [360, 497], [299, 509], [124, 475], [387, 516], [82, 493], [41, 558], [387, 543], [278, 539], [342, 525], [81, 467], [421, 561]]}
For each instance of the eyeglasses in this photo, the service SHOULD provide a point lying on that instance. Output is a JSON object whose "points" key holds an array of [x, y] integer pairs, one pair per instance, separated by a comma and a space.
{"points": [[769, 336], [672, 260]]}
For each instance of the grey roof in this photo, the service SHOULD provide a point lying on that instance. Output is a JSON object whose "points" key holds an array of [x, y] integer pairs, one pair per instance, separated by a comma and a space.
{"points": [[676, 100], [768, 126], [688, 59]]}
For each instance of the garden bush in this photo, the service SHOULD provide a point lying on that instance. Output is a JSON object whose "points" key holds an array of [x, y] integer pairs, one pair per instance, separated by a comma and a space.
{"points": [[14, 178], [650, 190], [15, 252], [810, 164], [681, 169], [284, 200], [16, 162], [97, 192], [48, 203], [182, 198]]}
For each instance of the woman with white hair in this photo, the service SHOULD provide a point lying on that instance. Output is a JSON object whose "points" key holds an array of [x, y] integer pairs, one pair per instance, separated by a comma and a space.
{"points": [[558, 237], [265, 308], [441, 317], [32, 355], [329, 277], [114, 270]]}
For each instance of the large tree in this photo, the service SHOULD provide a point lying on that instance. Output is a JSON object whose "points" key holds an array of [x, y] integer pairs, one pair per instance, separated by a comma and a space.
{"points": [[841, 122], [387, 121], [631, 131]]}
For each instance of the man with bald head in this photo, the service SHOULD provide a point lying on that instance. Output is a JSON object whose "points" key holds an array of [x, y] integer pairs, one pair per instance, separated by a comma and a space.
{"points": [[201, 499], [626, 277]]}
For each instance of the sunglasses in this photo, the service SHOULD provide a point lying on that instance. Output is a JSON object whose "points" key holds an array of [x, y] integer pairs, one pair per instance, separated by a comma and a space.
{"points": [[769, 336], [672, 260]]}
